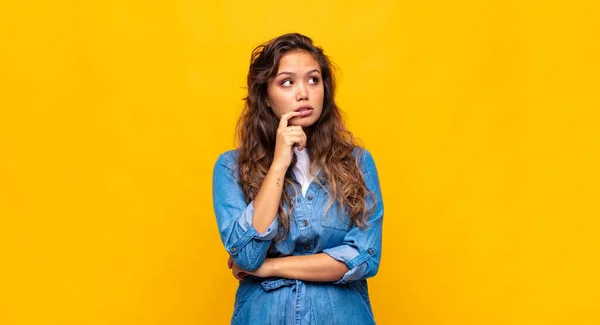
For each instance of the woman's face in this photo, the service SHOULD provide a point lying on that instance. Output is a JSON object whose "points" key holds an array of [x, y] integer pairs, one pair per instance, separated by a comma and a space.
{"points": [[297, 86]]}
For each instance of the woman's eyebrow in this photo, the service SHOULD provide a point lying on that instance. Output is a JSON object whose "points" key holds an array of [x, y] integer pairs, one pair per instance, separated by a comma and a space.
{"points": [[285, 72], [293, 73]]}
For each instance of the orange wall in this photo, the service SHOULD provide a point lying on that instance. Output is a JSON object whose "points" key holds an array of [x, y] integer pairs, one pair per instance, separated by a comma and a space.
{"points": [[482, 117]]}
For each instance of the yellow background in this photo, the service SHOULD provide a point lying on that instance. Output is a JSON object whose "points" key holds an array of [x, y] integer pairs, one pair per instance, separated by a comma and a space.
{"points": [[482, 117]]}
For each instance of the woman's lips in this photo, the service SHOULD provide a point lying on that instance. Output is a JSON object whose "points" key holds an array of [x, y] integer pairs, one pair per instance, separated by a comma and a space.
{"points": [[305, 112]]}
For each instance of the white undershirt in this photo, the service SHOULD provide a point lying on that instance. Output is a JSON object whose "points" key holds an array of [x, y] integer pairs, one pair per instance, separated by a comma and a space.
{"points": [[301, 170]]}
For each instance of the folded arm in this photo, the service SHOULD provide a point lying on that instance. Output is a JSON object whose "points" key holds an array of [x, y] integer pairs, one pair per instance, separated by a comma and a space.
{"points": [[246, 229], [318, 268], [357, 258]]}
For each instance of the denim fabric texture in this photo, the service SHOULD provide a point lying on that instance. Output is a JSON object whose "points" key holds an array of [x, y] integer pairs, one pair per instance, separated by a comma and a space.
{"points": [[289, 301]]}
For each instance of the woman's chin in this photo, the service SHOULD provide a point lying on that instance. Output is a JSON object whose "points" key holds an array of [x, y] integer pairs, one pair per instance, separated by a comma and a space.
{"points": [[303, 122]]}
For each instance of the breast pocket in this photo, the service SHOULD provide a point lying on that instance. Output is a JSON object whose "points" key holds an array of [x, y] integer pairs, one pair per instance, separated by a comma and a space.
{"points": [[335, 218]]}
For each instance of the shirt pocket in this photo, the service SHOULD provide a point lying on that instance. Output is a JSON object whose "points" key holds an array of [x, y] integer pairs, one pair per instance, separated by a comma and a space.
{"points": [[335, 218]]}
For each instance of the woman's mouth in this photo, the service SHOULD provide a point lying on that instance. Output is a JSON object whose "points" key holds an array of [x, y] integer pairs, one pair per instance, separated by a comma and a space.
{"points": [[304, 111]]}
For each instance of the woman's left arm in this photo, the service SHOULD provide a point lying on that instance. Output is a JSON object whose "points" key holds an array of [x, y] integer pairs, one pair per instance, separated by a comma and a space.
{"points": [[317, 267]]}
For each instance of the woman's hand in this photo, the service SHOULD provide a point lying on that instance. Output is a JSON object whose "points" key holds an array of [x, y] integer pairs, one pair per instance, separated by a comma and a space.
{"points": [[287, 137], [265, 270]]}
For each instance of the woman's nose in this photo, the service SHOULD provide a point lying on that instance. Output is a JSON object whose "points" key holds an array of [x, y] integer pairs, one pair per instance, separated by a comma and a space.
{"points": [[301, 92]]}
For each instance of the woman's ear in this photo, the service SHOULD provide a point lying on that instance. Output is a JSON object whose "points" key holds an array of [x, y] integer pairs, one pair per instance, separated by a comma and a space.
{"points": [[267, 101]]}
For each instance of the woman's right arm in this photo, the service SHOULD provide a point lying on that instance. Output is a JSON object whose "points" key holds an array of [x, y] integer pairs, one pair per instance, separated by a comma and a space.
{"points": [[244, 243], [248, 229], [267, 200]]}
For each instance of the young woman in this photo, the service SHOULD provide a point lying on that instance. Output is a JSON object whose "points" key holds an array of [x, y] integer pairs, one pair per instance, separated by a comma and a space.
{"points": [[298, 204]]}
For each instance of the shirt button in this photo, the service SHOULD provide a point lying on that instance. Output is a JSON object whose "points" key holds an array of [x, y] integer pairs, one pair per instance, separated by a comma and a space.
{"points": [[370, 251], [233, 249], [305, 223], [307, 247], [299, 200], [309, 197]]}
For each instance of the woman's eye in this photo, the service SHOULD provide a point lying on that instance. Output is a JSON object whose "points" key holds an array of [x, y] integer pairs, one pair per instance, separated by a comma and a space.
{"points": [[286, 83], [313, 80]]}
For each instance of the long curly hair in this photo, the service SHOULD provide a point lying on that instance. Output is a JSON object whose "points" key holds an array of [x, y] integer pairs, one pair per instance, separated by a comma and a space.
{"points": [[330, 145]]}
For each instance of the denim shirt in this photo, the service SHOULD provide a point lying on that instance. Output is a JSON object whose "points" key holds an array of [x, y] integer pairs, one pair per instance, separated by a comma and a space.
{"points": [[292, 301]]}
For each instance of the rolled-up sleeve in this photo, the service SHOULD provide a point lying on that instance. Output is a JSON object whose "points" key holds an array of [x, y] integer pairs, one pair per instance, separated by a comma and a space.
{"points": [[246, 246], [361, 248]]}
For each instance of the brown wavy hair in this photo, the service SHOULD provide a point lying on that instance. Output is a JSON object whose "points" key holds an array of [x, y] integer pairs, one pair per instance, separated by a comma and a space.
{"points": [[330, 144]]}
